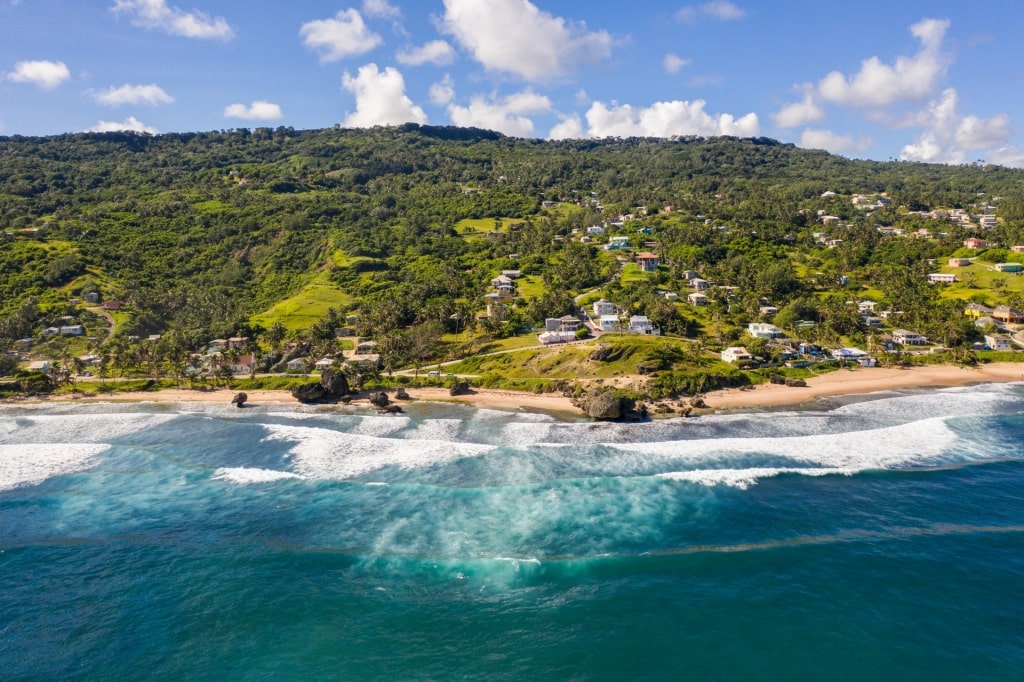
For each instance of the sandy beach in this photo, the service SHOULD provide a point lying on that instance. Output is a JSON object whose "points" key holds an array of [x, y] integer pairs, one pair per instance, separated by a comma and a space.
{"points": [[480, 397], [840, 382], [864, 380]]}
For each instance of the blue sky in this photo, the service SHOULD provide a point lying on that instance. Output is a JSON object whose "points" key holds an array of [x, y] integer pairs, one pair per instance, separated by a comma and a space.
{"points": [[931, 81]]}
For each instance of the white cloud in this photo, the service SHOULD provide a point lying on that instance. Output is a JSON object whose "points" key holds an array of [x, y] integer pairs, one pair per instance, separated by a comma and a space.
{"points": [[807, 110], [949, 137], [381, 8], [1007, 156], [343, 35], [156, 14], [716, 9], [380, 98], [673, 63], [570, 128], [435, 52], [910, 78], [442, 92], [666, 119], [516, 37], [259, 110], [507, 115], [131, 124], [833, 142], [134, 94], [45, 74]]}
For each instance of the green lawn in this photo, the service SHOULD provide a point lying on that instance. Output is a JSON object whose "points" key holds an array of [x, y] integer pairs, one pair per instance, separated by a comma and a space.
{"points": [[531, 285], [307, 306], [478, 227], [983, 277]]}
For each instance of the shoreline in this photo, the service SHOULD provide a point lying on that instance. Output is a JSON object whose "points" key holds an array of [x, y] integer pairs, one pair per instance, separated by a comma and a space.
{"points": [[858, 381], [863, 380]]}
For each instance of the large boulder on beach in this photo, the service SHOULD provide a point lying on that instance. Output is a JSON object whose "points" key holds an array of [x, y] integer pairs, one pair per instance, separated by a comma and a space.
{"points": [[239, 400], [335, 384], [379, 399], [402, 394], [459, 388], [308, 393], [603, 405]]}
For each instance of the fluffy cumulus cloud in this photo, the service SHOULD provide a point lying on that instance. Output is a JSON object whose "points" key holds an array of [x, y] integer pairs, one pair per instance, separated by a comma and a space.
{"points": [[343, 35], [44, 74], [130, 124], [569, 128], [807, 110], [443, 91], [1007, 156], [156, 14], [666, 119], [516, 37], [673, 63], [949, 137], [437, 52], [833, 142], [722, 10], [151, 94], [380, 8], [878, 84], [260, 110], [509, 115], [380, 98]]}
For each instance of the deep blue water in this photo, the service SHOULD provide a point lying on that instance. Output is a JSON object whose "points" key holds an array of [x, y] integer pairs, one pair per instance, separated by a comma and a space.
{"points": [[874, 538]]}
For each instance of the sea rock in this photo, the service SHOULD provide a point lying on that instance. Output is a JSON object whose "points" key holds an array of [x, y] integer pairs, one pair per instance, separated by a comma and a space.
{"points": [[401, 394], [379, 400], [390, 409], [334, 383], [459, 388], [698, 402], [239, 400], [603, 405], [308, 393], [799, 383]]}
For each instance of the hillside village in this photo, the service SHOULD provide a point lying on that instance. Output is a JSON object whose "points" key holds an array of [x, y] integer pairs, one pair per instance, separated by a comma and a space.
{"points": [[708, 285]]}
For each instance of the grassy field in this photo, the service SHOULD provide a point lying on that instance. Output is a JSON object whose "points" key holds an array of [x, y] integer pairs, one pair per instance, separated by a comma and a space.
{"points": [[531, 285], [478, 227], [983, 277], [307, 306]]}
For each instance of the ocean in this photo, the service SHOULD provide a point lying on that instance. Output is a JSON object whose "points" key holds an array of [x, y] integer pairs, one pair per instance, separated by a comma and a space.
{"points": [[875, 537]]}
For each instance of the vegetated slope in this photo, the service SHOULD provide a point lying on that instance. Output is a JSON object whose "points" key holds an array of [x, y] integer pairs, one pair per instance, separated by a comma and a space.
{"points": [[200, 232]]}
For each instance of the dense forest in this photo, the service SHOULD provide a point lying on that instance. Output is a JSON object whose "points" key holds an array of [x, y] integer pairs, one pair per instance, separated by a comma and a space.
{"points": [[209, 234]]}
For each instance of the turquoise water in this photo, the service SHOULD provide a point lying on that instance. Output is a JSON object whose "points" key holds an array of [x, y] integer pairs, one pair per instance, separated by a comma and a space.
{"points": [[871, 538]]}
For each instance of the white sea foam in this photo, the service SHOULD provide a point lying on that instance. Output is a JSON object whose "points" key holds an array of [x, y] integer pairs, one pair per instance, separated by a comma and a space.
{"points": [[245, 475], [913, 443], [380, 426], [336, 455], [744, 478], [80, 428], [29, 464], [435, 429]]}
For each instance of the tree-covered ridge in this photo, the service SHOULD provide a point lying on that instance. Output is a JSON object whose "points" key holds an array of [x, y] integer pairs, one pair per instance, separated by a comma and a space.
{"points": [[212, 234]]}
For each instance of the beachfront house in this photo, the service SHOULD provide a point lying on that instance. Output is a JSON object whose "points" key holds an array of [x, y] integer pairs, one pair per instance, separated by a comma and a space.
{"points": [[908, 338], [851, 354], [736, 355], [639, 324], [998, 342], [609, 323]]}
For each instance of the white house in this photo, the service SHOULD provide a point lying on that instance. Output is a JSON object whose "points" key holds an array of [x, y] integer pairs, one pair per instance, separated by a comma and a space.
{"points": [[296, 365], [595, 229], [324, 363], [639, 324], [904, 337], [698, 299], [767, 310], [609, 323], [736, 354], [548, 338], [855, 354], [959, 262], [72, 330], [763, 330], [603, 307], [998, 342], [39, 366], [671, 296], [941, 278], [617, 243], [699, 284]]}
